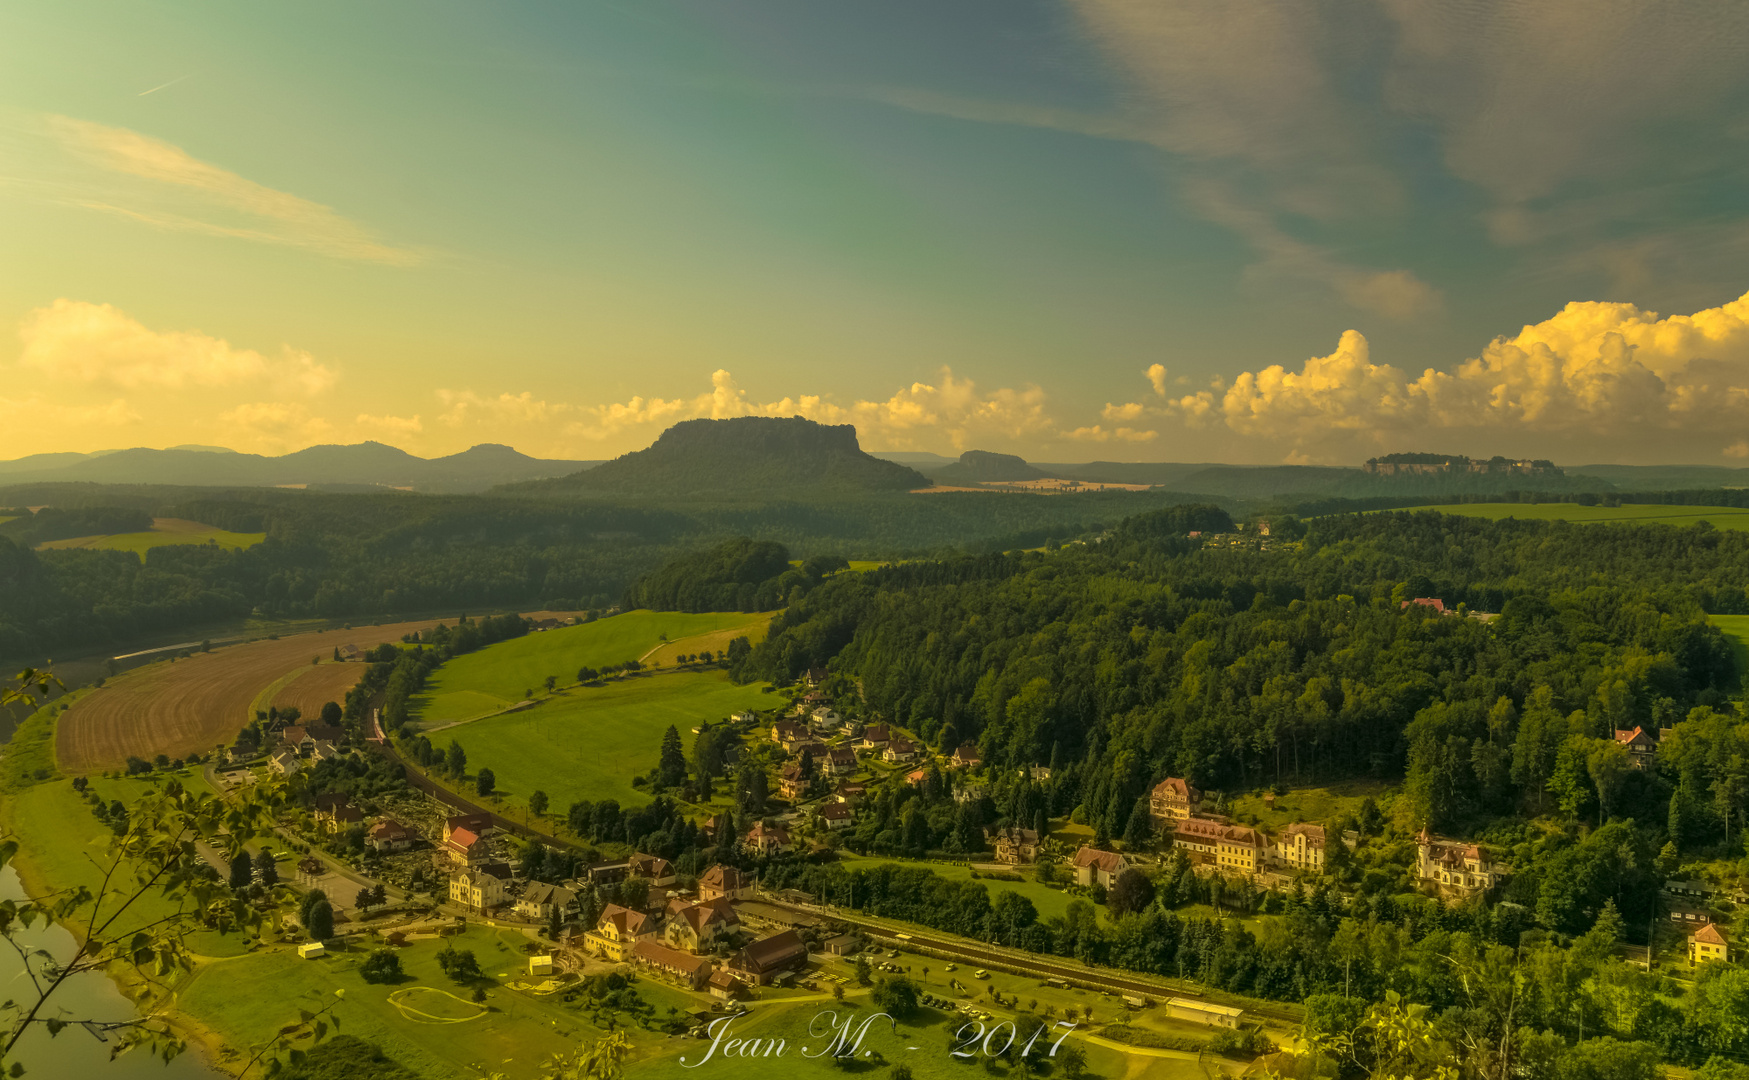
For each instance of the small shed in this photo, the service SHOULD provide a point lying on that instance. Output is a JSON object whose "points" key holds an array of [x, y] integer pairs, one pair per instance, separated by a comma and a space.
{"points": [[1203, 1012], [311, 950], [540, 965], [843, 945]]}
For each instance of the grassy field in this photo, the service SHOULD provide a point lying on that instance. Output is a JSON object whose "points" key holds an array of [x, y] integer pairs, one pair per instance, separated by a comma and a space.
{"points": [[245, 1000], [164, 532], [588, 742], [501, 675], [60, 839], [1722, 517], [1317, 805], [1736, 627], [1047, 900]]}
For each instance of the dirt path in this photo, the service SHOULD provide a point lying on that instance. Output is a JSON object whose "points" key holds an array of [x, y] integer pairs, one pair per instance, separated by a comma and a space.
{"points": [[192, 705]]}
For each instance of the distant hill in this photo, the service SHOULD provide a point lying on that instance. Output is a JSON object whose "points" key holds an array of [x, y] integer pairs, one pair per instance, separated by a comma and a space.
{"points": [[745, 454], [982, 466], [365, 465]]}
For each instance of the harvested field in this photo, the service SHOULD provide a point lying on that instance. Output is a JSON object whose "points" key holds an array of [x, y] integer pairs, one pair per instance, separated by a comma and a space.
{"points": [[318, 685], [192, 705]]}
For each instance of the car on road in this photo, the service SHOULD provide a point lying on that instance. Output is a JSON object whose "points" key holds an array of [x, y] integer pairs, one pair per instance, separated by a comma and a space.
{"points": [[980, 974]]}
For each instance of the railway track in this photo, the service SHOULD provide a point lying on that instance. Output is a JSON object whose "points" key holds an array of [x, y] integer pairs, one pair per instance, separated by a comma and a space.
{"points": [[1093, 978]]}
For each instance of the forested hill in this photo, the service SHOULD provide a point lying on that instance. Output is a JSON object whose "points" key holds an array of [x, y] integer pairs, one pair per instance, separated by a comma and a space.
{"points": [[1149, 654], [760, 454]]}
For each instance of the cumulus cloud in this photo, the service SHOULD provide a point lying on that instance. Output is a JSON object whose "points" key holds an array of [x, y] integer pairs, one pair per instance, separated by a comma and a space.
{"points": [[1100, 433], [389, 426], [97, 343], [1594, 371], [267, 215], [277, 425]]}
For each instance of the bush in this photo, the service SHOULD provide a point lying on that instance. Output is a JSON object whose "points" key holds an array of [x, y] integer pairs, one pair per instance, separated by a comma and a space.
{"points": [[381, 966]]}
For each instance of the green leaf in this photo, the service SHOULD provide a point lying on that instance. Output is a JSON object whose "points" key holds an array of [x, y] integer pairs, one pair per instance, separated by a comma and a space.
{"points": [[306, 1015], [54, 1026]]}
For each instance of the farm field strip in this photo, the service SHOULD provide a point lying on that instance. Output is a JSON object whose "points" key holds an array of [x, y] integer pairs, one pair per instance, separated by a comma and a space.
{"points": [[668, 653], [164, 532], [316, 685], [1722, 517], [194, 704]]}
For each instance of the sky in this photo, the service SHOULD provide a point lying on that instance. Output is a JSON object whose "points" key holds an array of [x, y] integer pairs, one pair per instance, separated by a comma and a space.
{"points": [[1074, 230]]}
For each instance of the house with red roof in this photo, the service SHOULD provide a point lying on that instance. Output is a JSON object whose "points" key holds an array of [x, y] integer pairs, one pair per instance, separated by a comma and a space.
{"points": [[1096, 867]]}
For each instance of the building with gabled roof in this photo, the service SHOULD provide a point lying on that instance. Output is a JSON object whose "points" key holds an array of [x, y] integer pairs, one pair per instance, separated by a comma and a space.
{"points": [[390, 835], [540, 900], [722, 882], [1240, 848], [687, 970], [768, 840], [1013, 845], [1453, 869], [618, 929], [1172, 800], [1094, 866], [876, 737], [765, 959], [659, 872], [478, 891], [1199, 837], [1301, 846], [464, 847], [1642, 748], [792, 782], [967, 756], [696, 927], [835, 815], [1707, 944], [899, 750]]}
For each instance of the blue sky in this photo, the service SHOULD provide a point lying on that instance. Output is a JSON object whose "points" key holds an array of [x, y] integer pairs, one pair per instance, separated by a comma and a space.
{"points": [[1076, 230]]}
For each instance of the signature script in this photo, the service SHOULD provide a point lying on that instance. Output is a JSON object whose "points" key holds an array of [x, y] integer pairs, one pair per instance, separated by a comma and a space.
{"points": [[831, 1035]]}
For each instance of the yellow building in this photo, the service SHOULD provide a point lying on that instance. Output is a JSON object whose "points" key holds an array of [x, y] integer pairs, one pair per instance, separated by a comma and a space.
{"points": [[1708, 943], [1238, 849]]}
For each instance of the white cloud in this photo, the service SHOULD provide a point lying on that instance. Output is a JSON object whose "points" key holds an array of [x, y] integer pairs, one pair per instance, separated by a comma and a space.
{"points": [[275, 425], [1099, 433], [388, 426], [92, 343], [271, 216], [1157, 378], [1595, 374]]}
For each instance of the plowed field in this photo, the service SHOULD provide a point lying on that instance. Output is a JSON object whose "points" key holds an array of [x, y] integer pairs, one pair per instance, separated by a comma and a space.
{"points": [[195, 704], [317, 686]]}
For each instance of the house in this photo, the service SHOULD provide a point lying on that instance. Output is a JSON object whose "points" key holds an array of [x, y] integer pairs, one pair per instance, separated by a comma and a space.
{"points": [[900, 750], [611, 872], [540, 967], [1240, 848], [654, 869], [312, 950], [334, 813], [916, 776], [285, 762], [765, 959], [323, 751], [826, 718], [814, 753], [1301, 846], [787, 734], [773, 840], [618, 929], [540, 900], [724, 883], [719, 825], [970, 792], [1096, 867], [1013, 845], [723, 984], [1037, 773], [465, 848], [743, 717], [1690, 915], [696, 927], [478, 891], [849, 793], [967, 757], [292, 738], [1173, 799], [1708, 943], [835, 815], [842, 945], [1454, 870], [689, 971], [1199, 837], [1431, 602], [876, 737], [816, 676], [841, 761], [478, 824], [792, 782], [351, 652], [390, 835], [1642, 748]]}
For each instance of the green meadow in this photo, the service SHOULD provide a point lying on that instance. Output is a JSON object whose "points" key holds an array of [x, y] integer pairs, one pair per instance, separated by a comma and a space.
{"points": [[501, 675], [1736, 627], [1721, 517], [588, 742], [164, 532]]}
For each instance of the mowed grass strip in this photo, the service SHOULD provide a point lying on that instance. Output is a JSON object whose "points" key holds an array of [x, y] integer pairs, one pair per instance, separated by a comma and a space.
{"points": [[1722, 517], [1736, 627], [589, 742], [503, 674], [164, 532]]}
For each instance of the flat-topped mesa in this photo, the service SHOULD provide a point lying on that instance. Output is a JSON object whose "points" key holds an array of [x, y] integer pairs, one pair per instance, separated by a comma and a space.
{"points": [[1420, 464]]}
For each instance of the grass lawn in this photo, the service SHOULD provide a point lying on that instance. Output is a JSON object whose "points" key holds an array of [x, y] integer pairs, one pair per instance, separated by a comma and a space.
{"points": [[1722, 517], [164, 531], [1736, 627], [588, 742], [1317, 805], [59, 838], [1047, 900], [245, 1000], [501, 675]]}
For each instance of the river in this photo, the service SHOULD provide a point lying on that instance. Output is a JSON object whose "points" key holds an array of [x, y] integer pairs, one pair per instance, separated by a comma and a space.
{"points": [[75, 1052]]}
